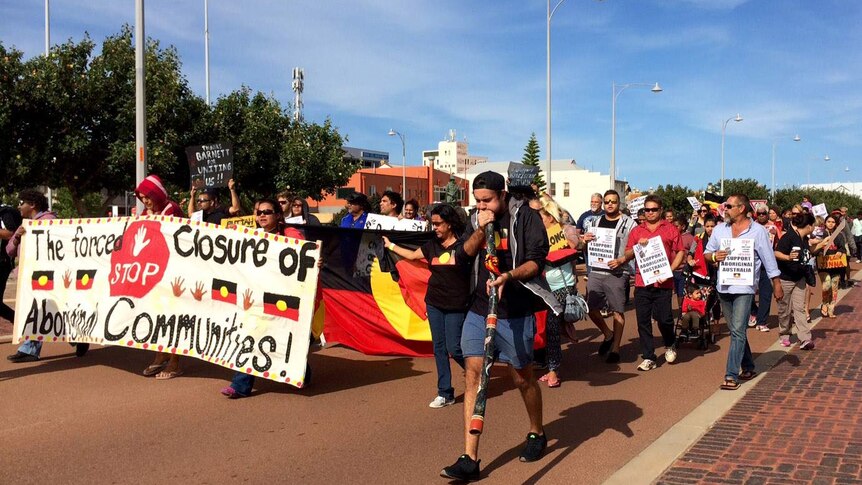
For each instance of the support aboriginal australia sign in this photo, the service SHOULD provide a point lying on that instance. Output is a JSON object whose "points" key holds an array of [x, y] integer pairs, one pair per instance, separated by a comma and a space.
{"points": [[237, 298], [210, 165]]}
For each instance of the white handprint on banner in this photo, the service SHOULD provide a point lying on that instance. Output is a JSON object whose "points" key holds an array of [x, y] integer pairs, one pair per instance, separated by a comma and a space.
{"points": [[141, 241]]}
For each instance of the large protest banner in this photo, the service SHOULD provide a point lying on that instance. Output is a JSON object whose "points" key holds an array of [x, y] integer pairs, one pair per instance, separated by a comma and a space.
{"points": [[237, 298]]}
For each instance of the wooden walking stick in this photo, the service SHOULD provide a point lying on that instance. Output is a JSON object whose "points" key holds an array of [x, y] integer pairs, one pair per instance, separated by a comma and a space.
{"points": [[477, 421]]}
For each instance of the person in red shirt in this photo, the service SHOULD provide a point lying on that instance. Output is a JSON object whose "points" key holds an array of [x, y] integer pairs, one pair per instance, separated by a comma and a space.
{"points": [[655, 300]]}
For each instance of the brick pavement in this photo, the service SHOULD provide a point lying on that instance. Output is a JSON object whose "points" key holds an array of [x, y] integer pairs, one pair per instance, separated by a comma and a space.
{"points": [[802, 423]]}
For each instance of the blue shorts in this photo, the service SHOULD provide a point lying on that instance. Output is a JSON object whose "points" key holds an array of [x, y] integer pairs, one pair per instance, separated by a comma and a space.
{"points": [[514, 340]]}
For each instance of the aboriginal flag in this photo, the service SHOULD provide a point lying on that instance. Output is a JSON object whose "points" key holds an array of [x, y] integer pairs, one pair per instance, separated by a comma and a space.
{"points": [[84, 279], [43, 280], [281, 305], [224, 291]]}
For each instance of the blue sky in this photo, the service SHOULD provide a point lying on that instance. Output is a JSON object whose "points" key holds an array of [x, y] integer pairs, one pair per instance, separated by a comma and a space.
{"points": [[788, 66]]}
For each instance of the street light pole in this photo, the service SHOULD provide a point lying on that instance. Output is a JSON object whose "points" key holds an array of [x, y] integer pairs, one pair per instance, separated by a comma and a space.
{"points": [[775, 142], [392, 132], [207, 48], [548, 89], [615, 94], [723, 127], [140, 97]]}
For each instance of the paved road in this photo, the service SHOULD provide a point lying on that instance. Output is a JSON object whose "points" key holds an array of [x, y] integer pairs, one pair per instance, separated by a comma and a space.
{"points": [[364, 420]]}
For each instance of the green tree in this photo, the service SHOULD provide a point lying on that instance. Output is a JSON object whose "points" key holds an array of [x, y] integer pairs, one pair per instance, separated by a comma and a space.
{"points": [[531, 157], [313, 162], [833, 199], [750, 187], [11, 72], [74, 121], [675, 197]]}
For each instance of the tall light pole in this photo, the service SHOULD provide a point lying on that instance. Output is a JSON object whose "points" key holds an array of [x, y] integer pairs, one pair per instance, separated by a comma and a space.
{"points": [[207, 48], [392, 132], [775, 142], [140, 97], [548, 89], [723, 127], [615, 94], [47, 53]]}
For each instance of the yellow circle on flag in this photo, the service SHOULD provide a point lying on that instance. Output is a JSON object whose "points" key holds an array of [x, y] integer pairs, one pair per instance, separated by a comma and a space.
{"points": [[496, 239], [223, 292], [85, 279], [43, 280], [444, 258], [281, 305]]}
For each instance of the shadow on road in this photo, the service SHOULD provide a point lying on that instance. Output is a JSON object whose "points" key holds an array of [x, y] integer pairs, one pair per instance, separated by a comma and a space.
{"points": [[574, 427]]}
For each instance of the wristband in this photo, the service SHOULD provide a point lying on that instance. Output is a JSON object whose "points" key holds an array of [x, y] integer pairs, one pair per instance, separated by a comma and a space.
{"points": [[713, 257], [391, 246], [509, 273]]}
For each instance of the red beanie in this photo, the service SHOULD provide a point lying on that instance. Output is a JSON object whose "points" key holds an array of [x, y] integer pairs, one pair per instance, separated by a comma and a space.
{"points": [[154, 190]]}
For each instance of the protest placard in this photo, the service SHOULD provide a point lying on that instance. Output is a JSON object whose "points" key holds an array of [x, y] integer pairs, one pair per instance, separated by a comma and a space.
{"points": [[210, 165], [377, 221], [602, 249], [819, 210], [636, 204], [409, 225], [197, 216], [240, 299], [520, 175], [557, 238], [294, 220], [652, 261], [738, 267], [694, 203], [242, 221]]}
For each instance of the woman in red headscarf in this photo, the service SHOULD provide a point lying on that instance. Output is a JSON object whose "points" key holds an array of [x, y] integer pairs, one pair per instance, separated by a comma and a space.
{"points": [[153, 195]]}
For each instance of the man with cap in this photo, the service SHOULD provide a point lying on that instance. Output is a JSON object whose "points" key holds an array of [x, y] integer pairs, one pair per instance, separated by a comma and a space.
{"points": [[357, 211], [522, 246]]}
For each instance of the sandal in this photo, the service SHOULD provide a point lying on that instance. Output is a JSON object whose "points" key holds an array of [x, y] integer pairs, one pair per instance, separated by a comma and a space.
{"points": [[554, 383], [747, 375], [169, 374], [730, 385], [544, 378], [154, 369]]}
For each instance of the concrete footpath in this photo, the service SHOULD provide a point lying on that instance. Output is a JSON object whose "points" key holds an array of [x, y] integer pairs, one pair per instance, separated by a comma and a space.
{"points": [[799, 421]]}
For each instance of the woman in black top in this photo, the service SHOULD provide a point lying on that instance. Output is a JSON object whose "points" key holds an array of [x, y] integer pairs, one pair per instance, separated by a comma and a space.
{"points": [[792, 254], [448, 295]]}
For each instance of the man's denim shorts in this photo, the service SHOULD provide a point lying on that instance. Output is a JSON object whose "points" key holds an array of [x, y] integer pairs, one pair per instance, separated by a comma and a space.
{"points": [[514, 340]]}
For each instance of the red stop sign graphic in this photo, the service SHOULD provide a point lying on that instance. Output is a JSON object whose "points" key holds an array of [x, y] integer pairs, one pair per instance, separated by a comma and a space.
{"points": [[140, 264]]}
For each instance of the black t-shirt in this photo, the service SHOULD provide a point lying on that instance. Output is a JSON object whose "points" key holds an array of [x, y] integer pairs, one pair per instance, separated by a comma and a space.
{"points": [[517, 300], [792, 270], [216, 216], [449, 285], [10, 219]]}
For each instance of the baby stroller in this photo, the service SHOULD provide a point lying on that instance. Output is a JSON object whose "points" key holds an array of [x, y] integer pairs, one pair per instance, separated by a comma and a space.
{"points": [[706, 331]]}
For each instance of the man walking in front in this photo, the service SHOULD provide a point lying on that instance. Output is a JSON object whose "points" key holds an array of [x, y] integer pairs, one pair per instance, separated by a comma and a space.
{"points": [[522, 245], [736, 299], [655, 300]]}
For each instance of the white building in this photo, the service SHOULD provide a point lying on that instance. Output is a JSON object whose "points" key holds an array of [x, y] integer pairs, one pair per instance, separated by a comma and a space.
{"points": [[571, 185], [451, 156], [852, 188]]}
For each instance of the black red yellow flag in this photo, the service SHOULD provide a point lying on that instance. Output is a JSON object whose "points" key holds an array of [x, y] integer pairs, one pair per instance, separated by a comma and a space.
{"points": [[43, 280], [84, 279], [281, 305], [224, 291]]}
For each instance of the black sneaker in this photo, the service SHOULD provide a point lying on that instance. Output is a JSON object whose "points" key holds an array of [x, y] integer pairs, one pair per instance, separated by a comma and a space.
{"points": [[81, 349], [613, 358], [465, 469], [606, 345], [22, 357], [535, 447]]}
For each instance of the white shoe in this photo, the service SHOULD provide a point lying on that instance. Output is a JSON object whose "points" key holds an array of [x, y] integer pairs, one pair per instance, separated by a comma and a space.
{"points": [[441, 402], [647, 364], [763, 328], [752, 321], [670, 355]]}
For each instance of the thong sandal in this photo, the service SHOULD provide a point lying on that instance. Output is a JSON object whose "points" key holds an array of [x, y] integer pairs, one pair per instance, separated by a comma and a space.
{"points": [[730, 385], [164, 375], [747, 375], [154, 369]]}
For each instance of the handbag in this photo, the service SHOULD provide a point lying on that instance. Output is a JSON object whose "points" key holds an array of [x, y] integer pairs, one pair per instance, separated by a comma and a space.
{"points": [[576, 307]]}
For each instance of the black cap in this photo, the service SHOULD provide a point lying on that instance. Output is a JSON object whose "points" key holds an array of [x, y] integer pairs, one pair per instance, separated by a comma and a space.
{"points": [[489, 180], [358, 199]]}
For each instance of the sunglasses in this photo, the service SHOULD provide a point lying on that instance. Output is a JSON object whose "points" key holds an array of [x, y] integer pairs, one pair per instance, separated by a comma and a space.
{"points": [[298, 204], [652, 209], [202, 201], [282, 202], [265, 212], [730, 206], [762, 213], [703, 210], [612, 202]]}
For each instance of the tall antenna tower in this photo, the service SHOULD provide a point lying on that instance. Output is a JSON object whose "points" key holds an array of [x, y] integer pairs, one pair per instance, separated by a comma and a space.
{"points": [[298, 86]]}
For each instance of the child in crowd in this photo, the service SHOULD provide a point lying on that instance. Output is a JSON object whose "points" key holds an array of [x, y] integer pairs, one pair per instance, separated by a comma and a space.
{"points": [[693, 308]]}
